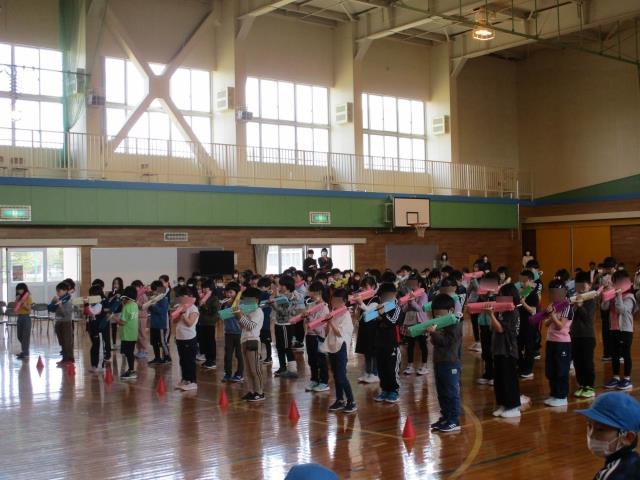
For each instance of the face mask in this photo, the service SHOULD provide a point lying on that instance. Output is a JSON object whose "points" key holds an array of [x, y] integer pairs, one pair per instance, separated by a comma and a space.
{"points": [[181, 284], [601, 448]]}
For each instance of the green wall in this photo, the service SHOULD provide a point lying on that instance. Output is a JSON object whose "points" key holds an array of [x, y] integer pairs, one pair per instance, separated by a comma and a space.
{"points": [[615, 188], [74, 205]]}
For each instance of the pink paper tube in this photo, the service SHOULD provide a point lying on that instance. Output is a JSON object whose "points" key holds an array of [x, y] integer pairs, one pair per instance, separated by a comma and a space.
{"points": [[332, 314], [478, 307], [411, 296], [608, 295], [313, 309], [364, 295], [472, 275]]}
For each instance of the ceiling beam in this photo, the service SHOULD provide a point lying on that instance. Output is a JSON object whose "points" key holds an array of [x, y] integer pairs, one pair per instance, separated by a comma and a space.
{"points": [[309, 11], [268, 8]]}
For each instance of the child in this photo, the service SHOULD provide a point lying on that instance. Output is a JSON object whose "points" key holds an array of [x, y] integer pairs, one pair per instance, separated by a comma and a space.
{"points": [[558, 349], [114, 306], [232, 334], [387, 345], [316, 359], [621, 312], [22, 308], [446, 345], [612, 434], [365, 343], [414, 315], [583, 338], [604, 280], [473, 297], [129, 330], [186, 340], [166, 333], [63, 325], [264, 285], [284, 331], [484, 321], [337, 337], [528, 334], [97, 324], [251, 323], [209, 306], [534, 266], [504, 347], [298, 328], [158, 313], [141, 299]]}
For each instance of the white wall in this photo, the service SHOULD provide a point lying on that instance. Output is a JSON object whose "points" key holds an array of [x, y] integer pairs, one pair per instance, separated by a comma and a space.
{"points": [[145, 264], [30, 22]]}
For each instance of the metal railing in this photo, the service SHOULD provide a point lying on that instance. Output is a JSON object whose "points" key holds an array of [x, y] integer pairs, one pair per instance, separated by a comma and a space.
{"points": [[33, 153]]}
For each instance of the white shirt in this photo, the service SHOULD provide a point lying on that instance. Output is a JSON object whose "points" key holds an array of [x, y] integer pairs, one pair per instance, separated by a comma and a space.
{"points": [[183, 331], [344, 324]]}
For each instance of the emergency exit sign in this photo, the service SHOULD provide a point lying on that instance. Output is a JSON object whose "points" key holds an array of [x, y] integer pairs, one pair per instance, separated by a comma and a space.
{"points": [[15, 213], [320, 218]]}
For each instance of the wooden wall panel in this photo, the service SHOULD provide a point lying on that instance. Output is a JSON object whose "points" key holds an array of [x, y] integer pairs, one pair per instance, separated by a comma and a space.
{"points": [[590, 243], [553, 249], [625, 245]]}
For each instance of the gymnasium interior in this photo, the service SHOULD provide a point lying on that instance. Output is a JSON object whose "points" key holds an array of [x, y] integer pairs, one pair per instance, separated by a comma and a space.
{"points": [[222, 141]]}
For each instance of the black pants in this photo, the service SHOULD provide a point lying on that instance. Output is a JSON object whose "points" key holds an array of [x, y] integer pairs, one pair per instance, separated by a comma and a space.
{"points": [[93, 329], [388, 361], [476, 327], [265, 339], [317, 360], [421, 340], [207, 342], [187, 352], [606, 329], [557, 364], [487, 357], [298, 332], [621, 348], [114, 332], [231, 346], [106, 340], [283, 344], [527, 338], [156, 337], [127, 348], [505, 382], [582, 349]]}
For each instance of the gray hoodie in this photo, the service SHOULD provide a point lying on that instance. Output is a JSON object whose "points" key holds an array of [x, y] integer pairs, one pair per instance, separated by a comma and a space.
{"points": [[625, 305]]}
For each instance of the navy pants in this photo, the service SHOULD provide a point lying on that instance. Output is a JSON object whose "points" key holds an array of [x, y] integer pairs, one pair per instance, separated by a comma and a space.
{"points": [[557, 364], [448, 388], [317, 360], [338, 362]]}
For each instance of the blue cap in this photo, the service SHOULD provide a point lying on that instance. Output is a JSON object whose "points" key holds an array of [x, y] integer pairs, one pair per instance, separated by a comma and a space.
{"points": [[617, 410], [310, 471]]}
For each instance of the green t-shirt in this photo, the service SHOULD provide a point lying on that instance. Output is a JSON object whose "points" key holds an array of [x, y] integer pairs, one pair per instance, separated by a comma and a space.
{"points": [[129, 315]]}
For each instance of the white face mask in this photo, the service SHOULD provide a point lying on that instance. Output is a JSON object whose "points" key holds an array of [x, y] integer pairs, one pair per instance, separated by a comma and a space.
{"points": [[602, 448]]}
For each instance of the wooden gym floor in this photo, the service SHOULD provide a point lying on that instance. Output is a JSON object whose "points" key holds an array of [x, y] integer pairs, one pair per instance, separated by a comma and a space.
{"points": [[57, 426]]}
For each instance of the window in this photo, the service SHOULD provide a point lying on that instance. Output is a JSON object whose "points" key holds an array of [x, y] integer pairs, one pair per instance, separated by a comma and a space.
{"points": [[30, 97], [291, 122], [155, 133], [394, 136], [280, 257]]}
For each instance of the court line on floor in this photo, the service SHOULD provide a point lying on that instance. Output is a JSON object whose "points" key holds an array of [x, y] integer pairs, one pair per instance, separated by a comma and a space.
{"points": [[477, 443]]}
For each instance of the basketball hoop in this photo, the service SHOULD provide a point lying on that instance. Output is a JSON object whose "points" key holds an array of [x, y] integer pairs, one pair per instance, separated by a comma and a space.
{"points": [[420, 228]]}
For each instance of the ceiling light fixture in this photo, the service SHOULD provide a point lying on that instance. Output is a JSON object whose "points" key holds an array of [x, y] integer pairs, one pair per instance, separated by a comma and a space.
{"points": [[482, 30]]}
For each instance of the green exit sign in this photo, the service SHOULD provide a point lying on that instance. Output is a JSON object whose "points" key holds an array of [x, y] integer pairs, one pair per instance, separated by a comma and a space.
{"points": [[320, 218], [15, 213]]}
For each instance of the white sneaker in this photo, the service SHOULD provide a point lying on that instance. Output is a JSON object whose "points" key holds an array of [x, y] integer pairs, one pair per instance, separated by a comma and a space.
{"points": [[423, 370], [557, 402], [292, 367], [409, 370], [476, 347], [499, 411], [310, 386], [363, 378], [95, 370], [528, 376], [189, 386], [571, 367], [200, 358], [371, 378], [511, 413], [180, 384], [321, 387], [490, 382], [482, 381]]}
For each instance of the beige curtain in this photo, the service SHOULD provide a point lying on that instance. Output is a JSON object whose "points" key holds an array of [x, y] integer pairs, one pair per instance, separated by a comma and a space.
{"points": [[261, 252]]}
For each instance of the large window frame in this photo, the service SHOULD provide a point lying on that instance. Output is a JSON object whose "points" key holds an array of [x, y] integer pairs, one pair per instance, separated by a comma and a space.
{"points": [[31, 95], [306, 134], [400, 128], [277, 264]]}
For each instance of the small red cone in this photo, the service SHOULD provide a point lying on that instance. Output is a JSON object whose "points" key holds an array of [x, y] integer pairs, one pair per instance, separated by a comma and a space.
{"points": [[71, 369], [294, 414], [223, 402], [161, 389], [40, 364], [108, 376], [408, 433]]}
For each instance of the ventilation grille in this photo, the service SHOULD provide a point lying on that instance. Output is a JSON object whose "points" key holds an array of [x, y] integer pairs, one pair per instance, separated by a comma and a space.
{"points": [[176, 237]]}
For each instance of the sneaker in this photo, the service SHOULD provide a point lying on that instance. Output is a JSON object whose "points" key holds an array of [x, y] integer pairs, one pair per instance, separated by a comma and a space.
{"points": [[280, 372], [498, 411], [155, 361], [166, 360], [200, 358], [482, 381], [237, 378], [310, 386], [511, 413], [556, 402], [129, 375], [625, 384], [141, 355], [446, 426], [435, 425], [257, 397], [526, 376], [106, 360], [392, 397], [372, 378], [189, 386], [363, 378], [606, 359], [537, 357], [579, 393], [613, 383], [490, 382], [267, 361], [226, 378], [95, 370], [350, 408], [321, 387], [381, 397], [588, 392], [476, 347], [180, 384], [409, 370], [549, 401], [423, 370], [571, 367], [336, 406], [247, 396], [209, 365]]}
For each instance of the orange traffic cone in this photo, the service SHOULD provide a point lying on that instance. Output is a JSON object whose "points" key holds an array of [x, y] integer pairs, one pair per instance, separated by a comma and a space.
{"points": [[161, 389], [223, 402], [40, 364], [408, 433], [71, 369], [294, 414], [108, 376]]}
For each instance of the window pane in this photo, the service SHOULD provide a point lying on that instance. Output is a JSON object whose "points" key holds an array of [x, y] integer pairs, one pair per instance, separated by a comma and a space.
{"points": [[141, 128], [179, 146], [181, 89], [5, 71], [404, 116], [291, 257], [135, 85], [55, 264], [391, 147], [51, 83], [269, 136], [285, 101], [375, 112], [376, 145], [201, 126], [252, 96], [365, 110], [273, 260], [51, 116], [28, 80], [160, 132], [320, 140], [305, 139], [200, 91], [28, 57], [115, 120], [27, 266], [5, 121], [404, 148], [320, 106], [253, 134], [304, 104], [418, 149], [417, 118], [390, 120], [114, 80], [27, 115], [287, 137], [365, 144], [50, 59], [156, 68], [269, 99]]}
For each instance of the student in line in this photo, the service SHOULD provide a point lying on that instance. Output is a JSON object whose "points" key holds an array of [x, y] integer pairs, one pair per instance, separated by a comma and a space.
{"points": [[265, 284], [129, 330], [186, 340], [251, 323], [209, 306], [97, 324], [528, 333], [317, 360], [365, 342], [232, 335], [387, 345], [158, 314], [63, 326], [413, 315], [583, 338], [22, 309]]}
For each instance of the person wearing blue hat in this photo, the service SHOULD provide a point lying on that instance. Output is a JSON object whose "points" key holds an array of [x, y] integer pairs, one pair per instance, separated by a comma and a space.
{"points": [[612, 433], [310, 471]]}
